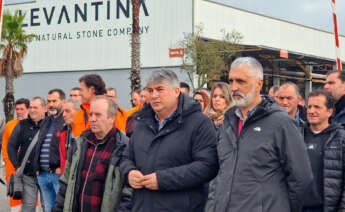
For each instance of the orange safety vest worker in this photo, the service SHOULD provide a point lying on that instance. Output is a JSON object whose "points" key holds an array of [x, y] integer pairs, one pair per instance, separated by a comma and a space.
{"points": [[133, 110], [9, 166], [82, 122]]}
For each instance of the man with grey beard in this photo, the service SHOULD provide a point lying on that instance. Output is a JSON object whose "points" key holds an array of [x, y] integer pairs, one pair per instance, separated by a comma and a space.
{"points": [[263, 161]]}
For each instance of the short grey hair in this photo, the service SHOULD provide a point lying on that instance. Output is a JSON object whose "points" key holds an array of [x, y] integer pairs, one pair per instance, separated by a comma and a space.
{"points": [[287, 84], [76, 103], [254, 65], [112, 107], [43, 102], [165, 76]]}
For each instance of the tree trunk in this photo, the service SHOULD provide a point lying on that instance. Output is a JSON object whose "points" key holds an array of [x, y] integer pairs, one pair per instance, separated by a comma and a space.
{"points": [[8, 100], [135, 73]]}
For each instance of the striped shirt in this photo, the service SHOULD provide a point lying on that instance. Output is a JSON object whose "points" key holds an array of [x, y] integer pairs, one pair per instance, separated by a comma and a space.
{"points": [[45, 148]]}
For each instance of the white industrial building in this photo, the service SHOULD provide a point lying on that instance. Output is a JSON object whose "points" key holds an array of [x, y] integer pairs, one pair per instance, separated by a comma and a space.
{"points": [[80, 37]]}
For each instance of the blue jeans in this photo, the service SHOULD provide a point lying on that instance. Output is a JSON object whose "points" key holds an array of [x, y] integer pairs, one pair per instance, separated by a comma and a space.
{"points": [[49, 186]]}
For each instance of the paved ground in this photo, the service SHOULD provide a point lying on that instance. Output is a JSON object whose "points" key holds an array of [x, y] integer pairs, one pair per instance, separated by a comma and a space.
{"points": [[4, 202]]}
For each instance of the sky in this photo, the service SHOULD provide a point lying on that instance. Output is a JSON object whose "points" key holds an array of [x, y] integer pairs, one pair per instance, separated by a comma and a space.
{"points": [[312, 13]]}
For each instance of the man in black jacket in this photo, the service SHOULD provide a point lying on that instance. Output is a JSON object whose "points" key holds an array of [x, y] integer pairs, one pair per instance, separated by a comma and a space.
{"points": [[325, 144], [20, 139], [335, 84], [263, 161], [172, 152], [288, 98], [47, 157]]}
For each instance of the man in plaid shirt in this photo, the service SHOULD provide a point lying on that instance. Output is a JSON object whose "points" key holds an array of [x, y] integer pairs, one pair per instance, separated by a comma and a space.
{"points": [[91, 181]]}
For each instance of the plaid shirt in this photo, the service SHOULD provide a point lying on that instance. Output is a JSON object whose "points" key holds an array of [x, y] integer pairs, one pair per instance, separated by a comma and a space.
{"points": [[94, 171]]}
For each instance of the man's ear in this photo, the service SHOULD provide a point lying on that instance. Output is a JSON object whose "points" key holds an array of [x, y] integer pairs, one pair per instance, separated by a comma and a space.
{"points": [[331, 110], [92, 89], [259, 84], [177, 91]]}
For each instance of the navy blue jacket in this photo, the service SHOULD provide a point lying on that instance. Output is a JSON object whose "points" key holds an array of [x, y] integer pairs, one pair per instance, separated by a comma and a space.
{"points": [[182, 154]]}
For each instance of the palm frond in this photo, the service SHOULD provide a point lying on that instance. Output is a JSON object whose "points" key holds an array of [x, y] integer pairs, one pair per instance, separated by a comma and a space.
{"points": [[14, 43]]}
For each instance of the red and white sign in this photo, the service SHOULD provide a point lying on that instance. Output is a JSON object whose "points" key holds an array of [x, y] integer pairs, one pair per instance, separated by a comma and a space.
{"points": [[176, 52], [337, 48], [284, 53]]}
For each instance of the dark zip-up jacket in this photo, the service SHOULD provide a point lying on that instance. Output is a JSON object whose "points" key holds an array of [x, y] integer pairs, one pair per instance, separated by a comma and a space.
{"points": [[266, 168], [182, 154], [333, 174], [54, 156], [339, 115], [20, 139]]}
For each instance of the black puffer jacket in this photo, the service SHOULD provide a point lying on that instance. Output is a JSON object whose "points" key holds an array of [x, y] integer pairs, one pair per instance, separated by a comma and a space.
{"points": [[333, 169], [265, 169]]}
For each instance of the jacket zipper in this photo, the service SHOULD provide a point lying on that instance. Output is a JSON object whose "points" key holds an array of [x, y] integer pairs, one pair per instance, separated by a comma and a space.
{"points": [[236, 161], [234, 171], [87, 175], [323, 161]]}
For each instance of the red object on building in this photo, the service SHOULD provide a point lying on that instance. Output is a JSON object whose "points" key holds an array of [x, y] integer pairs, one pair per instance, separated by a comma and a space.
{"points": [[284, 53], [336, 36], [176, 52]]}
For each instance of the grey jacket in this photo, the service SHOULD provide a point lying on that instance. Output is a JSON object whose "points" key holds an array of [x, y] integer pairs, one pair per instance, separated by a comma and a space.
{"points": [[266, 168]]}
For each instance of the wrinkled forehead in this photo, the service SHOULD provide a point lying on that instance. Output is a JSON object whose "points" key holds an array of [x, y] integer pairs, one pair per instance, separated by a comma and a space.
{"points": [[68, 105], [156, 85], [319, 100], [333, 77], [35, 103], [74, 91], [241, 72], [287, 90]]}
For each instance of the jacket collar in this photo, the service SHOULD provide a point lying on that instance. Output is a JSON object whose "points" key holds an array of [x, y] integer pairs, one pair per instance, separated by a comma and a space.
{"points": [[90, 137], [264, 108], [340, 105], [31, 122], [185, 107]]}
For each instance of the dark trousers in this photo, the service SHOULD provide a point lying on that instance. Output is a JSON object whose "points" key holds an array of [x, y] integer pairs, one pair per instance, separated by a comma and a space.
{"points": [[313, 210]]}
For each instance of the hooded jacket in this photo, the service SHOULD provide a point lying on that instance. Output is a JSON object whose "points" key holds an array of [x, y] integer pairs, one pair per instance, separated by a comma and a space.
{"points": [[182, 154], [266, 168]]}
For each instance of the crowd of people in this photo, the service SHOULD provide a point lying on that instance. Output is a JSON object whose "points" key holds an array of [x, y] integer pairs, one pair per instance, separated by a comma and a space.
{"points": [[232, 149]]}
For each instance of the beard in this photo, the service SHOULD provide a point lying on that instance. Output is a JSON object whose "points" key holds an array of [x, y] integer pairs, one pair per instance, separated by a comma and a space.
{"points": [[245, 100], [54, 111]]}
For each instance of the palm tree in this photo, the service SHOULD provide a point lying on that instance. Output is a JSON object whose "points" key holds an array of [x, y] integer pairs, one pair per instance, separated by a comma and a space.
{"points": [[135, 72], [14, 42]]}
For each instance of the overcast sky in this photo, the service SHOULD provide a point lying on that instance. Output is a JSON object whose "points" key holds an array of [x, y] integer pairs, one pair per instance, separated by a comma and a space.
{"points": [[313, 13]]}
